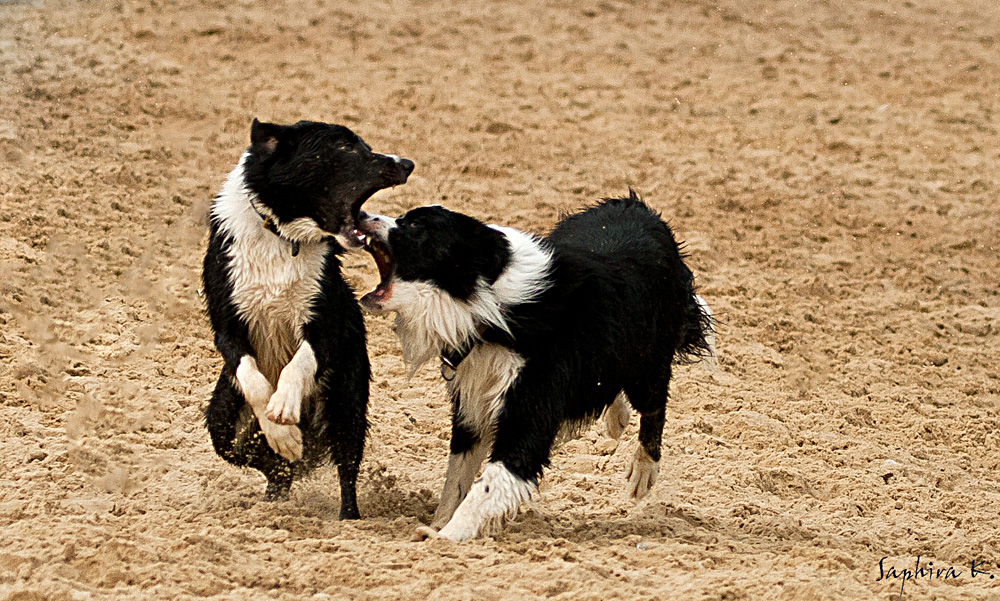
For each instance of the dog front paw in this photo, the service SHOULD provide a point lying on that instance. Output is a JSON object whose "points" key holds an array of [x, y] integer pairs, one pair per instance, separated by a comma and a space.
{"points": [[284, 440], [642, 474], [285, 406], [425, 532], [254, 386]]}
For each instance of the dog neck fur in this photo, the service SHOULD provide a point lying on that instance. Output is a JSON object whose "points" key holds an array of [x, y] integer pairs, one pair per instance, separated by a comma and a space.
{"points": [[429, 320], [238, 208]]}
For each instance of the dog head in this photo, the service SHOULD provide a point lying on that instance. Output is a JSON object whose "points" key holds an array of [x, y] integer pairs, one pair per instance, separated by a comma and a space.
{"points": [[435, 247], [310, 179], [448, 275]]}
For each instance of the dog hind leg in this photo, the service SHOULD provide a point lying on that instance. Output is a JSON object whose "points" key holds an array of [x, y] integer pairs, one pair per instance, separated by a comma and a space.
{"points": [[645, 467], [616, 417], [237, 438], [345, 404], [650, 401]]}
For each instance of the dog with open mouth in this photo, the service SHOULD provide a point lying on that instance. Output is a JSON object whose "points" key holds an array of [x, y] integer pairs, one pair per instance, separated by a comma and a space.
{"points": [[293, 391], [534, 335]]}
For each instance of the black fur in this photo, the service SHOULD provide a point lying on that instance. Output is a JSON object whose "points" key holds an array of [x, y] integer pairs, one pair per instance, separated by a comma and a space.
{"points": [[450, 250], [619, 311], [323, 172]]}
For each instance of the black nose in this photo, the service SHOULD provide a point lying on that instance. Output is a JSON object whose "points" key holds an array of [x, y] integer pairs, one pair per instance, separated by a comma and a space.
{"points": [[406, 165]]}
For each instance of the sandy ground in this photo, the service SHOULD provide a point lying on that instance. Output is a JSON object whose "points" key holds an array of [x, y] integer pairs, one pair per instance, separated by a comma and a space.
{"points": [[832, 166]]}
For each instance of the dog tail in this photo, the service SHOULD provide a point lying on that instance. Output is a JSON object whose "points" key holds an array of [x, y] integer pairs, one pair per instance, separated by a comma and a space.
{"points": [[697, 341]]}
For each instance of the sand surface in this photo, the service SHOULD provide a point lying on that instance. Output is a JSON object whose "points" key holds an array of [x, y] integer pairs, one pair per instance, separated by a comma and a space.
{"points": [[831, 165]]}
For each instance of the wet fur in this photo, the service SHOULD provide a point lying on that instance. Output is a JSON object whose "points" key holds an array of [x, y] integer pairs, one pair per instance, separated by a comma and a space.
{"points": [[608, 309], [293, 390]]}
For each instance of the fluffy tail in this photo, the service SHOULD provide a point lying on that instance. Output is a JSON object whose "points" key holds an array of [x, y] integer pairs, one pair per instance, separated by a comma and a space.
{"points": [[698, 337]]}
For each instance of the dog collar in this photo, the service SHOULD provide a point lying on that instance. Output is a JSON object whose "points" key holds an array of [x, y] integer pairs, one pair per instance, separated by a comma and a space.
{"points": [[272, 227], [453, 357]]}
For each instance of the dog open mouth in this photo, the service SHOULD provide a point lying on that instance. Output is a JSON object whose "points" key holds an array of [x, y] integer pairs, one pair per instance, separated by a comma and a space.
{"points": [[351, 234], [380, 251]]}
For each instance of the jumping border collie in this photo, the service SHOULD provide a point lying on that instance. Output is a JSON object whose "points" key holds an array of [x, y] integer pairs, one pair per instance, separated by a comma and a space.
{"points": [[535, 335], [294, 388]]}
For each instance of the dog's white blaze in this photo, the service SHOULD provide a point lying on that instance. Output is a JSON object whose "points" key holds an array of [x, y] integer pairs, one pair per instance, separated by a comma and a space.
{"points": [[429, 320], [495, 496], [297, 382], [462, 470], [383, 225], [642, 474], [273, 291], [481, 382]]}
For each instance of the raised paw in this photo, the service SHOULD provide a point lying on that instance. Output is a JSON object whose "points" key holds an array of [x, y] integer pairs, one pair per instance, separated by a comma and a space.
{"points": [[285, 406], [254, 386], [642, 474], [284, 440]]}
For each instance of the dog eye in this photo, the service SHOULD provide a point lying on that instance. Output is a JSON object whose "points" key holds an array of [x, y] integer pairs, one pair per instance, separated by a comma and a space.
{"points": [[346, 147]]}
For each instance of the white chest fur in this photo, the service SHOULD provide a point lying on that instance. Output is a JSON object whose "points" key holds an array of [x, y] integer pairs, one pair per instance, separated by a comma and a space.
{"points": [[272, 290], [481, 381]]}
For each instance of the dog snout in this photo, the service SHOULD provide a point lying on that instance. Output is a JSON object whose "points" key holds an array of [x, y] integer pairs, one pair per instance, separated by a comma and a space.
{"points": [[396, 169], [374, 225], [405, 165]]}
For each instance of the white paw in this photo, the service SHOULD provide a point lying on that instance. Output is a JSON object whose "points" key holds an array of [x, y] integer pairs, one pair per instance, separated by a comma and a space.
{"points": [[285, 406], [283, 440], [254, 386], [642, 474], [426, 532], [493, 498], [459, 530]]}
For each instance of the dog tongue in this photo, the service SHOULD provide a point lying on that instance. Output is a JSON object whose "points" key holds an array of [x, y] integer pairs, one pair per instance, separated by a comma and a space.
{"points": [[383, 260]]}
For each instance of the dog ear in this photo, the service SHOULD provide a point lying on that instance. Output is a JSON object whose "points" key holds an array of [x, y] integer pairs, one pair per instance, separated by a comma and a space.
{"points": [[264, 138], [493, 263]]}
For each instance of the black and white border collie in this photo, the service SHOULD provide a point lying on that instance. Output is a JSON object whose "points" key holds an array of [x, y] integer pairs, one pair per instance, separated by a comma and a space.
{"points": [[293, 391], [535, 335]]}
